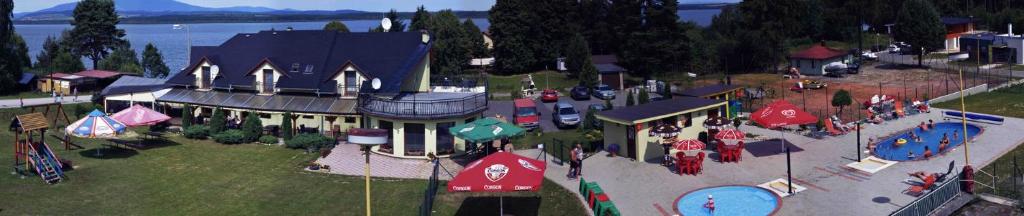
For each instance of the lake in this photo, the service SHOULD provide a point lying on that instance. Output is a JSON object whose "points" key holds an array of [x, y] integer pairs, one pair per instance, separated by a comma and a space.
{"points": [[173, 43]]}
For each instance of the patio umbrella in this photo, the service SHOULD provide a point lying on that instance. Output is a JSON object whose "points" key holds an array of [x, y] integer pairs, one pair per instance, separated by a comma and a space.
{"points": [[688, 145], [500, 172], [96, 125], [665, 130], [730, 136], [779, 114], [486, 129], [139, 115], [716, 122]]}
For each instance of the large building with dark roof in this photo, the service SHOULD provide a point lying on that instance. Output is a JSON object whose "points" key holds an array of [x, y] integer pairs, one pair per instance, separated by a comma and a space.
{"points": [[331, 82]]}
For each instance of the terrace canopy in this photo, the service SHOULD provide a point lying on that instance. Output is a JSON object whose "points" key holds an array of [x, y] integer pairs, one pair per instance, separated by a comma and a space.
{"points": [[252, 101], [485, 130], [500, 172], [779, 114]]}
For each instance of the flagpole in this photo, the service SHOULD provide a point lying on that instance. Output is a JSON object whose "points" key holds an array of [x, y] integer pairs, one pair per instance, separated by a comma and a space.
{"points": [[963, 118]]}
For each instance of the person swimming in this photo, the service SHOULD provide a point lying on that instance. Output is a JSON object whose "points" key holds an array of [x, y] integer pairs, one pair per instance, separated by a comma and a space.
{"points": [[910, 155], [931, 124], [927, 152], [956, 134], [944, 142], [923, 126], [914, 137]]}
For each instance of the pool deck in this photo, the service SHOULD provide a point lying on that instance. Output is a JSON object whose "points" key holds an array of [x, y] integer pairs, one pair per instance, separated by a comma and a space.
{"points": [[639, 188]]}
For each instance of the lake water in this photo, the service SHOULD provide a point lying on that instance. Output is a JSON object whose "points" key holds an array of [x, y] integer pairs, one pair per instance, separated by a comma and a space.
{"points": [[173, 43]]}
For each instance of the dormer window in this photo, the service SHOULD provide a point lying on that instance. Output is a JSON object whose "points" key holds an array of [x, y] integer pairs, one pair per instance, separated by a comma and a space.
{"points": [[295, 67], [309, 69], [204, 78], [268, 81]]}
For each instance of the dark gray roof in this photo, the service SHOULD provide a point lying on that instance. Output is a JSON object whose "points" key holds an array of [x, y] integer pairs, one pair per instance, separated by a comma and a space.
{"points": [[26, 78], [657, 108], [609, 68], [709, 90], [391, 57], [248, 100], [954, 20], [133, 84]]}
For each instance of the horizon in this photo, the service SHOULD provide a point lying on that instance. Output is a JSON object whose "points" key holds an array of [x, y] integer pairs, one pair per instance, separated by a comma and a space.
{"points": [[381, 6]]}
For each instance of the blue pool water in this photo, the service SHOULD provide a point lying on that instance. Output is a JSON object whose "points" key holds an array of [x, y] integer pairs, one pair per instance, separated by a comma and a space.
{"points": [[887, 150], [729, 200]]}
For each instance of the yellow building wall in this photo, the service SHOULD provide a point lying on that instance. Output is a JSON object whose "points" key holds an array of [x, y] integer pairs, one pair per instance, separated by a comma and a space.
{"points": [[430, 134], [419, 81], [650, 147], [60, 86]]}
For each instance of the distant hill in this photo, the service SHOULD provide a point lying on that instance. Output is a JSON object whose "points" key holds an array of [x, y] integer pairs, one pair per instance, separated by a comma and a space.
{"points": [[703, 6], [133, 8]]}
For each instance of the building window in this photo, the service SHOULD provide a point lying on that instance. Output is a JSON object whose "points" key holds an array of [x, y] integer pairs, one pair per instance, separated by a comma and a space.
{"points": [[205, 77], [268, 81], [414, 139], [386, 125], [350, 119], [265, 115], [309, 69], [295, 68], [445, 141], [351, 83]]}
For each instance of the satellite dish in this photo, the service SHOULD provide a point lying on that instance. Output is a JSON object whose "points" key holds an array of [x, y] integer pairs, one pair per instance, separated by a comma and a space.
{"points": [[214, 69], [386, 24], [375, 83]]}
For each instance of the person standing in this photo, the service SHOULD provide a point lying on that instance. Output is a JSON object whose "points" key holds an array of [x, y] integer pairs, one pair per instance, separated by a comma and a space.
{"points": [[75, 92], [710, 205], [579, 159], [572, 164]]}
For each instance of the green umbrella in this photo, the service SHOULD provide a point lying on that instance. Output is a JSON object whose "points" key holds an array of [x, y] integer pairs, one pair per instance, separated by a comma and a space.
{"points": [[485, 130]]}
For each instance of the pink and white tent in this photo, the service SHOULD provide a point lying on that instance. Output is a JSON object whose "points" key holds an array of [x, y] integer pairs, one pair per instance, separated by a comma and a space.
{"points": [[138, 115]]}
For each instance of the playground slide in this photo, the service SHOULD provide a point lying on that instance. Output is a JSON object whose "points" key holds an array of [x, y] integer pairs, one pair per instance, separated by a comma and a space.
{"points": [[45, 163]]}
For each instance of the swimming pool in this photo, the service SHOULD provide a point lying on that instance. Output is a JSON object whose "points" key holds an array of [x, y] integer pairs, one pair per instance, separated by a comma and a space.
{"points": [[888, 151], [729, 200]]}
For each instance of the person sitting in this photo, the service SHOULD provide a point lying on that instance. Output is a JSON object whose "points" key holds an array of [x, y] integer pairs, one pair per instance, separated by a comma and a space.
{"points": [[944, 142], [913, 136], [923, 126], [927, 152], [877, 119]]}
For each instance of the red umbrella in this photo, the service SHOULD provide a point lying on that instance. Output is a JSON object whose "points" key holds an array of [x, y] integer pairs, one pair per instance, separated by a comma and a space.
{"points": [[730, 136], [500, 172], [688, 145], [781, 113]]}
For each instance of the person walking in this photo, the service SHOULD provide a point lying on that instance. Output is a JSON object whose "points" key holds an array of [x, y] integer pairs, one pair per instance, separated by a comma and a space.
{"points": [[572, 164], [579, 159], [75, 92]]}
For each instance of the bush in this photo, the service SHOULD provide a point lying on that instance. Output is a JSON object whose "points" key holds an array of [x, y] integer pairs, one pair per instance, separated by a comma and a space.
{"points": [[186, 116], [218, 122], [268, 139], [286, 126], [232, 136], [310, 142], [196, 132], [252, 128]]}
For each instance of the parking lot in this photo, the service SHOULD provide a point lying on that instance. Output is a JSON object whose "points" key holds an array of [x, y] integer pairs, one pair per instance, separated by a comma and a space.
{"points": [[546, 124]]}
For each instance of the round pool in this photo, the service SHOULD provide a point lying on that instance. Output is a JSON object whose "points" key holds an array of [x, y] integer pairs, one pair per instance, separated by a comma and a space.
{"points": [[729, 200], [888, 148]]}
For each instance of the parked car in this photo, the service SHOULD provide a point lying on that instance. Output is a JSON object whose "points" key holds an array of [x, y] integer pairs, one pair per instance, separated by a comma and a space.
{"points": [[853, 67], [869, 56], [565, 115], [597, 108], [525, 114], [548, 95], [604, 92], [580, 93]]}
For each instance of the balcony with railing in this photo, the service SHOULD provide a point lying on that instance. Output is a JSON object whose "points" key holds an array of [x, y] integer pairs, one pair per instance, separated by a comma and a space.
{"points": [[423, 105]]}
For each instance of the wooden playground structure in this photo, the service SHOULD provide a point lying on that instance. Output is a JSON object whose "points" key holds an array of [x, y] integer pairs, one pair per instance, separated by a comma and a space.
{"points": [[35, 154]]}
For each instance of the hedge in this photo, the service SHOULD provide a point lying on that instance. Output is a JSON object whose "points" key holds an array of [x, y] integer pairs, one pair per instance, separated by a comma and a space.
{"points": [[232, 136]]}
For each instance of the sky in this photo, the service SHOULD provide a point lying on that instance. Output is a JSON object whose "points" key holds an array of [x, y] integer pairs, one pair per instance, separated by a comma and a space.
{"points": [[364, 5]]}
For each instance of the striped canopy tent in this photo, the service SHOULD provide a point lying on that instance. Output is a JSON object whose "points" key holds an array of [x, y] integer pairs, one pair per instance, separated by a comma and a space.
{"points": [[96, 125], [485, 130]]}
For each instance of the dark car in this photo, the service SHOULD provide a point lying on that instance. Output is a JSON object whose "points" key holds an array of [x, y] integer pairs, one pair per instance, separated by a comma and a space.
{"points": [[853, 67], [580, 93], [597, 108]]}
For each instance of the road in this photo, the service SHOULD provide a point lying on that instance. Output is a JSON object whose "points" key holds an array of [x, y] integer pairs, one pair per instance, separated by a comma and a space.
{"points": [[14, 103]]}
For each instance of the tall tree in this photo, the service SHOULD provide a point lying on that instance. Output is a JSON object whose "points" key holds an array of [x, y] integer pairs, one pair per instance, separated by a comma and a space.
{"points": [[10, 61], [420, 19], [65, 62], [153, 62], [576, 55], [656, 47], [21, 50], [625, 18], [397, 24], [840, 100], [553, 23], [510, 28], [336, 26], [95, 31], [123, 59], [474, 41], [286, 126], [595, 26], [53, 47], [450, 53], [918, 24]]}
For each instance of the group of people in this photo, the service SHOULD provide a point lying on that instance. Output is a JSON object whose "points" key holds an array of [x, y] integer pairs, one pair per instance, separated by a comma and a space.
{"points": [[576, 162], [927, 153], [927, 127]]}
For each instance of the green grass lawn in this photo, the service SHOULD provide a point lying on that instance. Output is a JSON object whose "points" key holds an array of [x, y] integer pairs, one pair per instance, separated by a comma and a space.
{"points": [[199, 177], [542, 80], [1005, 102]]}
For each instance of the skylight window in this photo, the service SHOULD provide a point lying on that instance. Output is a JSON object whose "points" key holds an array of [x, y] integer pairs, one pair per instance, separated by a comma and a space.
{"points": [[309, 69], [295, 68]]}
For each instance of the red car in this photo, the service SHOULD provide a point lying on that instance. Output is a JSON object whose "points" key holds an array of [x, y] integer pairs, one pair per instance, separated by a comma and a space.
{"points": [[526, 114], [549, 95]]}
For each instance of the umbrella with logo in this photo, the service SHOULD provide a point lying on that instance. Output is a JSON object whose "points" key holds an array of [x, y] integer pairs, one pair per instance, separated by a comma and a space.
{"points": [[500, 172], [139, 115], [730, 136], [688, 145], [780, 114], [96, 125], [485, 130]]}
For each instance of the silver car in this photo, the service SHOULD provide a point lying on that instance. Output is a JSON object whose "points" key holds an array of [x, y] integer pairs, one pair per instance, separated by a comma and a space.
{"points": [[604, 92], [565, 115]]}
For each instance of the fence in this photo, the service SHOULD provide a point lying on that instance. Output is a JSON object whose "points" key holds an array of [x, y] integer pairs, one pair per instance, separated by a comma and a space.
{"points": [[430, 193], [1002, 178], [932, 200]]}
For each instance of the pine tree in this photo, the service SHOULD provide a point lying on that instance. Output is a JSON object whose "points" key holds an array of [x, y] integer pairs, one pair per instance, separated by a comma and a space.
{"points": [[629, 99], [65, 62], [286, 126], [918, 24], [10, 61], [474, 41], [576, 55], [644, 96], [252, 128], [123, 59], [510, 27], [595, 26], [21, 51], [218, 122], [450, 54], [420, 19], [153, 62], [186, 116], [95, 33], [588, 77], [336, 26]]}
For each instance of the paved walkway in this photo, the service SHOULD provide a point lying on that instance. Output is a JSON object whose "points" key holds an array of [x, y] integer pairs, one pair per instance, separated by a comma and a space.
{"points": [[349, 160], [649, 189], [12, 103]]}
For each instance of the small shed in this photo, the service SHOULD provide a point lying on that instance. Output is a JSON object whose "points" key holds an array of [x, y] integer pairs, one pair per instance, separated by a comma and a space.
{"points": [[610, 73], [629, 127], [63, 83], [812, 61]]}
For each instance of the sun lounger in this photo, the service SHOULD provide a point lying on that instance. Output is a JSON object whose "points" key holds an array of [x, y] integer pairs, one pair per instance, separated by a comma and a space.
{"points": [[832, 129], [918, 190]]}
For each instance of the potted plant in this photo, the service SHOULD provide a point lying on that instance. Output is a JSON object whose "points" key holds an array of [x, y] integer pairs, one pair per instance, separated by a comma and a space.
{"points": [[613, 150]]}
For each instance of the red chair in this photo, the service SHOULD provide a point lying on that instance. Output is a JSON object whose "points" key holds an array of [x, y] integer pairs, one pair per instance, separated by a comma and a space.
{"points": [[918, 190], [681, 165], [699, 163], [739, 151]]}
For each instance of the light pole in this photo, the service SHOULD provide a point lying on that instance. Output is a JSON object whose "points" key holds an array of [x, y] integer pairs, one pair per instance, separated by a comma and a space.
{"points": [[366, 139], [188, 38]]}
